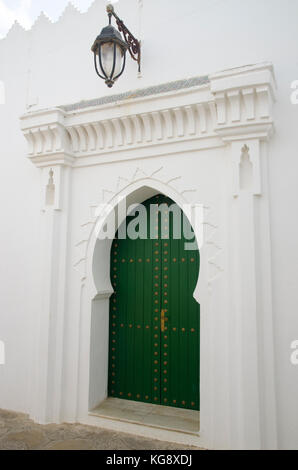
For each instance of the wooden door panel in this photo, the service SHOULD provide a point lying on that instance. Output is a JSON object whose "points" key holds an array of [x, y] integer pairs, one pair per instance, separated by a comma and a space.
{"points": [[151, 276]]}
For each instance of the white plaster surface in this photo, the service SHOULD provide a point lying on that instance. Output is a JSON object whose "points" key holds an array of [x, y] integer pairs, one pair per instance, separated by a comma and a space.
{"points": [[248, 281]]}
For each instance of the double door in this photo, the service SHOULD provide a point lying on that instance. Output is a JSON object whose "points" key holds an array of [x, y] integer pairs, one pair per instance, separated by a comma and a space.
{"points": [[154, 319]]}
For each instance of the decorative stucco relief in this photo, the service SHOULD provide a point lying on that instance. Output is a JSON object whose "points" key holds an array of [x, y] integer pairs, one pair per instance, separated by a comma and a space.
{"points": [[124, 186], [226, 106]]}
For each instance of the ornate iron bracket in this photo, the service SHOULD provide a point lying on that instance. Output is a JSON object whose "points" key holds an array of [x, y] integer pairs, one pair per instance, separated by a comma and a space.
{"points": [[134, 46]]}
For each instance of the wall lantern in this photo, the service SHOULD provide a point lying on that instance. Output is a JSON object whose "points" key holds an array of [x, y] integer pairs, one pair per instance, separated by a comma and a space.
{"points": [[110, 50]]}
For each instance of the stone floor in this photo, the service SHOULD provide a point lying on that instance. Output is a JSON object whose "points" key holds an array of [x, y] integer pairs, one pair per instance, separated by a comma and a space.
{"points": [[18, 432]]}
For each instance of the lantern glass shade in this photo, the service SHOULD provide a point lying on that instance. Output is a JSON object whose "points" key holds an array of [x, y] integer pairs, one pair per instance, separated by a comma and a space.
{"points": [[111, 64]]}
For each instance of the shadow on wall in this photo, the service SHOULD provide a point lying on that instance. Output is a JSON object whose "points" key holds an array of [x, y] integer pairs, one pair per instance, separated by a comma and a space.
{"points": [[2, 93], [2, 353]]}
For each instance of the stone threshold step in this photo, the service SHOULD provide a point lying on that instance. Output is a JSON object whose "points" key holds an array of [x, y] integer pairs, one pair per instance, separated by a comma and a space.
{"points": [[147, 414]]}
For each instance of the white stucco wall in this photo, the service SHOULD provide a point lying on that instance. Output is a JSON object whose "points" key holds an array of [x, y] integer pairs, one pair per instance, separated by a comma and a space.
{"points": [[52, 65]]}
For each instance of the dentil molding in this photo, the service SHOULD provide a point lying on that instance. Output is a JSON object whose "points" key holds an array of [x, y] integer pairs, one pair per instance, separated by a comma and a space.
{"points": [[229, 106]]}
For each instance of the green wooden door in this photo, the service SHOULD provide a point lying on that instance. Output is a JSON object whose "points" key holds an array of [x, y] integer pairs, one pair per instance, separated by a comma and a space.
{"points": [[154, 319]]}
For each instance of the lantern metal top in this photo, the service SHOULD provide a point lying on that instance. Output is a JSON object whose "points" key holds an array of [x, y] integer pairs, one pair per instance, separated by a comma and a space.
{"points": [[109, 34]]}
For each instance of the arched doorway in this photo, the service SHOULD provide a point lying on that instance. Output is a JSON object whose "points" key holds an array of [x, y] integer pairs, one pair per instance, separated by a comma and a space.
{"points": [[154, 319]]}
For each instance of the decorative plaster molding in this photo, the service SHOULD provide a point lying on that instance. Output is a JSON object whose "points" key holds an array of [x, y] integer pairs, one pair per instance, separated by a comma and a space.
{"points": [[251, 148], [211, 228], [110, 195], [244, 98], [233, 105], [47, 138]]}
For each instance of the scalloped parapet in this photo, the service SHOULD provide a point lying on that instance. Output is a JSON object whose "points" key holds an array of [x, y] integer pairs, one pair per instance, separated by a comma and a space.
{"points": [[41, 21], [15, 30], [69, 11]]}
